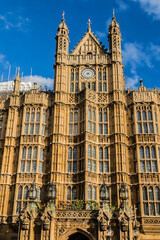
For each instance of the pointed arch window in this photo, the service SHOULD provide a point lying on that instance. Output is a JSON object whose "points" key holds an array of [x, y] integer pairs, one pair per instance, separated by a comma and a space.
{"points": [[38, 117], [24, 153], [150, 190], [104, 87], [141, 152], [41, 154], [75, 153], [153, 152], [20, 193], [70, 153], [144, 115], [144, 190], [94, 152], [89, 192], [25, 195], [138, 116], [71, 87], [156, 190], [32, 116], [29, 153], [35, 153], [72, 76], [89, 151], [106, 153], [101, 153], [99, 75], [69, 193], [27, 117], [104, 74], [147, 152], [77, 76], [94, 193], [149, 115], [74, 193]]}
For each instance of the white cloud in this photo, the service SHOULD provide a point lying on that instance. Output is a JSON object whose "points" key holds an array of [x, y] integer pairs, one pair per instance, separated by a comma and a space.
{"points": [[155, 51], [152, 7], [109, 20], [43, 81], [101, 34], [135, 56], [3, 61], [122, 5], [13, 20]]}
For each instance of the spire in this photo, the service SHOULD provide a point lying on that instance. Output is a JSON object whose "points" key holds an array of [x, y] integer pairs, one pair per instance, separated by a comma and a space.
{"points": [[17, 83], [113, 14], [62, 25], [89, 25]]}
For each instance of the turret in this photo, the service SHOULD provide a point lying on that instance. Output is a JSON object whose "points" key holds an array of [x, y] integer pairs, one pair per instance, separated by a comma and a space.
{"points": [[114, 38], [17, 83], [62, 39]]}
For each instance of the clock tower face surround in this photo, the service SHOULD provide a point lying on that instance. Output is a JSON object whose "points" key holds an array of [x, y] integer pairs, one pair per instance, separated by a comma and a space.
{"points": [[88, 73]]}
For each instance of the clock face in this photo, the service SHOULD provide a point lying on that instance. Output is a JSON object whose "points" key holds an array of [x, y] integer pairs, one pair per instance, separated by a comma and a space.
{"points": [[88, 73]]}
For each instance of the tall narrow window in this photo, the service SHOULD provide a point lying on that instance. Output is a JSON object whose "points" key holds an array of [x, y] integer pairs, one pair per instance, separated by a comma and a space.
{"points": [[147, 152], [138, 116], [141, 152], [94, 193], [99, 75], [74, 193], [70, 153], [144, 190], [29, 153], [25, 193], [69, 193], [35, 153], [153, 152], [101, 153], [20, 193], [41, 154], [89, 192], [27, 117], [24, 153]]}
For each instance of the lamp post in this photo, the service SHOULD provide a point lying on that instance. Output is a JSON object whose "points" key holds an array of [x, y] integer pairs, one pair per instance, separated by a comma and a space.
{"points": [[110, 233], [51, 194]]}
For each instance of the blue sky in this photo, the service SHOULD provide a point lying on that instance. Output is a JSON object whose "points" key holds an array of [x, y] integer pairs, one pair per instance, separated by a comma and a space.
{"points": [[28, 29]]}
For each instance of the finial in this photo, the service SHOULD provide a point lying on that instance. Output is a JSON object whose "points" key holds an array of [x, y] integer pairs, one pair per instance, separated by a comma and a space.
{"points": [[141, 82], [63, 15], [18, 71], [89, 25], [113, 14]]}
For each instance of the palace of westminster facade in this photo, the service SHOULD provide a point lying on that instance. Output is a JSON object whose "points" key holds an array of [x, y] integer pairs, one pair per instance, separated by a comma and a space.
{"points": [[81, 162]]}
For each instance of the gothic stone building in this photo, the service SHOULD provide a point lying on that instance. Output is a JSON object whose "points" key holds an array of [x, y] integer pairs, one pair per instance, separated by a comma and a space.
{"points": [[81, 162]]}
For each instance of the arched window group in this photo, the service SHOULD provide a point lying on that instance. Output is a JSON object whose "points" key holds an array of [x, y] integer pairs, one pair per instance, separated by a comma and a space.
{"points": [[30, 159], [71, 193], [32, 122], [148, 161], [103, 121], [102, 80], [151, 201], [145, 120], [72, 159], [103, 159], [91, 158], [74, 78], [92, 193], [73, 121]]}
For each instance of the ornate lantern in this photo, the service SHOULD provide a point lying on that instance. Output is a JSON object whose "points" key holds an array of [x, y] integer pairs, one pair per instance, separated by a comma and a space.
{"points": [[32, 193], [123, 192], [104, 192], [51, 191]]}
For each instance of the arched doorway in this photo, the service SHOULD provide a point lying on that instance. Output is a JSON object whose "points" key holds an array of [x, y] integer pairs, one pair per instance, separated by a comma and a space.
{"points": [[78, 236]]}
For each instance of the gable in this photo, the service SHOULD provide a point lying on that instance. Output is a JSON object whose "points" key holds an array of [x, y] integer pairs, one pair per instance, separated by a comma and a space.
{"points": [[89, 44]]}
